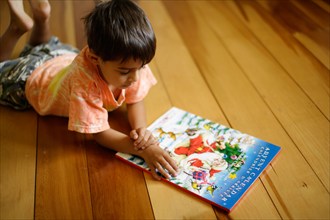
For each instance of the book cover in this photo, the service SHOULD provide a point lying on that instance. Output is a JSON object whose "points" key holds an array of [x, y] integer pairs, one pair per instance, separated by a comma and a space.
{"points": [[216, 163]]}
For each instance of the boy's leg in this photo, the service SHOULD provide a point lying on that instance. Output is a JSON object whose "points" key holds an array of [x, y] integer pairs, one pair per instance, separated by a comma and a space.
{"points": [[20, 23], [41, 14]]}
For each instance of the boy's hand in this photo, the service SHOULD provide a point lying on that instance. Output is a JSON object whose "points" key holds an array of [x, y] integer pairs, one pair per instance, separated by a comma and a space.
{"points": [[143, 138], [157, 158]]}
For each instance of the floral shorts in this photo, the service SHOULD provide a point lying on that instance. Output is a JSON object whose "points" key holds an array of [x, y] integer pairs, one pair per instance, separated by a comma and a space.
{"points": [[14, 73]]}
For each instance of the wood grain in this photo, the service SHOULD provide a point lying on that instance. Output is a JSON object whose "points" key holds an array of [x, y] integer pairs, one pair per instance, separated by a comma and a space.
{"points": [[18, 132], [305, 68], [261, 67], [62, 182], [304, 122]]}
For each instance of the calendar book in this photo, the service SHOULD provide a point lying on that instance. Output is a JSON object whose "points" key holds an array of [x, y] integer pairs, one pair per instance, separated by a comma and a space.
{"points": [[216, 163]]}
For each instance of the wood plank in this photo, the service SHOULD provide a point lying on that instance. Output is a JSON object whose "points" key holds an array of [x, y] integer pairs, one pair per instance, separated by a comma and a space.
{"points": [[81, 9], [222, 72], [17, 163], [318, 51], [181, 70], [62, 21], [324, 4], [311, 77], [240, 47], [303, 121], [314, 12], [62, 185], [118, 190], [313, 37]]}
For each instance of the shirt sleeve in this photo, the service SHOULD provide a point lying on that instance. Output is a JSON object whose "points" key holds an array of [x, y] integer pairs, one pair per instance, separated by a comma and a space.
{"points": [[86, 113], [139, 90]]}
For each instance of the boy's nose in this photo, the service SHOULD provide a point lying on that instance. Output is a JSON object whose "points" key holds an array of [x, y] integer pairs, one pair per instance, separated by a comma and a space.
{"points": [[135, 76]]}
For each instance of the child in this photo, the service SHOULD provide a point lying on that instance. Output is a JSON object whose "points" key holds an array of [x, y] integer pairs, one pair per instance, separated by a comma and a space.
{"points": [[57, 79]]}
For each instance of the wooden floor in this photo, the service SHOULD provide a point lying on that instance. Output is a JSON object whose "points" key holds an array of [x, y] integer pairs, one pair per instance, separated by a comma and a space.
{"points": [[261, 67]]}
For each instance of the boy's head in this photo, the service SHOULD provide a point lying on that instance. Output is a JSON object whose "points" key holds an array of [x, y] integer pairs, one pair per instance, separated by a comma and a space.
{"points": [[119, 30]]}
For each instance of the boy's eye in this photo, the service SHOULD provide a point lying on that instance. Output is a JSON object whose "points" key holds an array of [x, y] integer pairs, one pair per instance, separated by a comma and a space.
{"points": [[124, 73]]}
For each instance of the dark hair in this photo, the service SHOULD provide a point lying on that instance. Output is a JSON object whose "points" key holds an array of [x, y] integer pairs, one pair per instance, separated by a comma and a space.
{"points": [[119, 29]]}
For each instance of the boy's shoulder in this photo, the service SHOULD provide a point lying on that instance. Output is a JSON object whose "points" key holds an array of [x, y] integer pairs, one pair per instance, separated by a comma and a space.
{"points": [[82, 70], [83, 63]]}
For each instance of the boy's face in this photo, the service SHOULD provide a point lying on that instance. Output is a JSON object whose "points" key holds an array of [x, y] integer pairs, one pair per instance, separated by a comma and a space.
{"points": [[120, 75]]}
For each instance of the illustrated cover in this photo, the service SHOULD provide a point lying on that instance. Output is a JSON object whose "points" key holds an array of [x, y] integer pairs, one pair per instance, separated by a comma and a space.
{"points": [[216, 163]]}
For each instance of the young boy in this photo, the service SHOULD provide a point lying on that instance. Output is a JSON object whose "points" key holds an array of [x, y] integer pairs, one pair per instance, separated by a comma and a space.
{"points": [[84, 87]]}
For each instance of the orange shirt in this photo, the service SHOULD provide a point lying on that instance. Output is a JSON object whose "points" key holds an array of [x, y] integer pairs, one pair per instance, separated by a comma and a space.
{"points": [[70, 85]]}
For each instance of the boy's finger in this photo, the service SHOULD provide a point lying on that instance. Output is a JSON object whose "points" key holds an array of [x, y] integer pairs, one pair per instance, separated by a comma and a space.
{"points": [[154, 173], [134, 135], [138, 146], [154, 140], [171, 165], [139, 142], [162, 171], [141, 131], [140, 134]]}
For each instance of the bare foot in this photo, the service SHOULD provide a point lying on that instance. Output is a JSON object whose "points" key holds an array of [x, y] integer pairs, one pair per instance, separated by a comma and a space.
{"points": [[20, 22], [40, 9], [41, 14]]}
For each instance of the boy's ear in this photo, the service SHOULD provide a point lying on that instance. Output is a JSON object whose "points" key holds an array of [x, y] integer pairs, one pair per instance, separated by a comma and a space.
{"points": [[93, 57]]}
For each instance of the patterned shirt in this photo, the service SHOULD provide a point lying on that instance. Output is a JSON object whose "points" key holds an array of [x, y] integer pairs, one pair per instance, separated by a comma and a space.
{"points": [[70, 86]]}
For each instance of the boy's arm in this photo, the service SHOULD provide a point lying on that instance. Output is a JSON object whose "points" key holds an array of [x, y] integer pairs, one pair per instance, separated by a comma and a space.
{"points": [[137, 119], [137, 115], [155, 157], [115, 140]]}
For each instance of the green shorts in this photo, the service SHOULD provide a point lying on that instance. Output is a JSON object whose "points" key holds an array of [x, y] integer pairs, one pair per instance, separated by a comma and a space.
{"points": [[14, 73]]}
